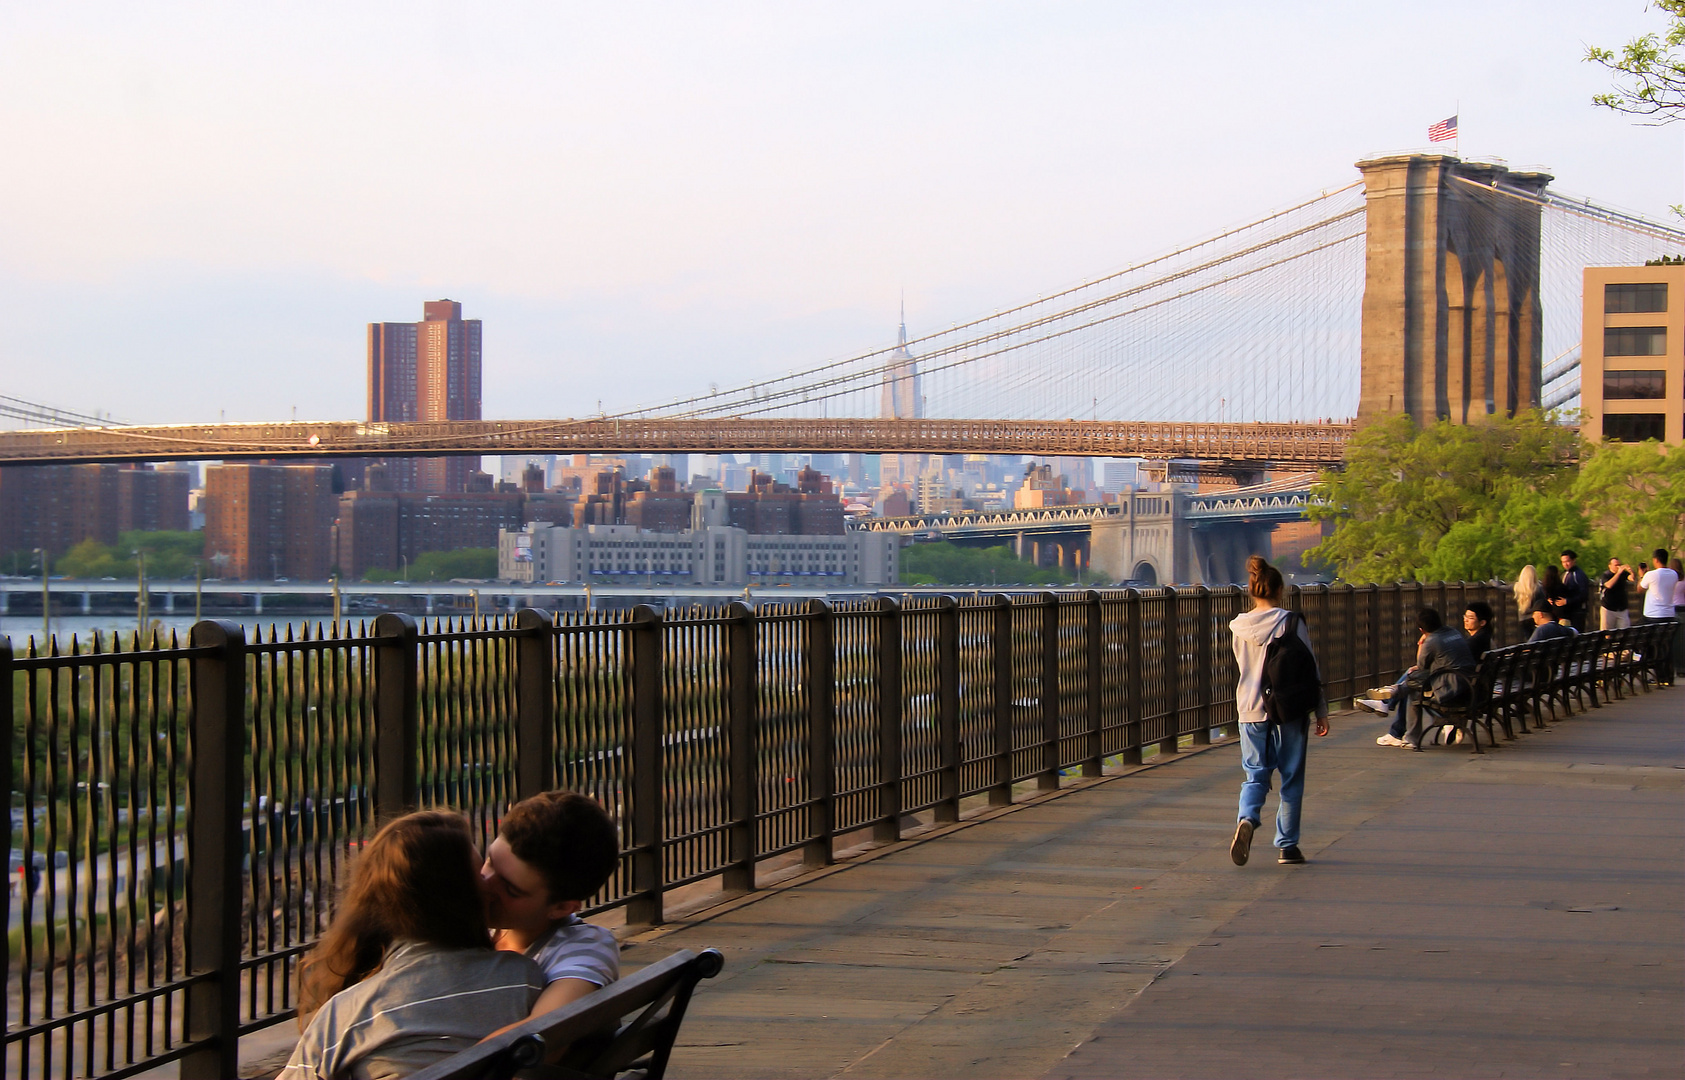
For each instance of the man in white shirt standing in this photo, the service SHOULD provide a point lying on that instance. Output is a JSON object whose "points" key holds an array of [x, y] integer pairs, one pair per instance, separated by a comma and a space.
{"points": [[1658, 585]]}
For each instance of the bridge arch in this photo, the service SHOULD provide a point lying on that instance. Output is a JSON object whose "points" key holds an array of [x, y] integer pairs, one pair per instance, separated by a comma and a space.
{"points": [[1145, 573]]}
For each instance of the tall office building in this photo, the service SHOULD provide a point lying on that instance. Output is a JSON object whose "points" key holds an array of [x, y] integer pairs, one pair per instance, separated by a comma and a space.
{"points": [[427, 370], [1632, 353]]}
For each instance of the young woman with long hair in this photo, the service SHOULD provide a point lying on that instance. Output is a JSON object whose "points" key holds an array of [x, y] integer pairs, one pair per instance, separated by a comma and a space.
{"points": [[1269, 744], [406, 974]]}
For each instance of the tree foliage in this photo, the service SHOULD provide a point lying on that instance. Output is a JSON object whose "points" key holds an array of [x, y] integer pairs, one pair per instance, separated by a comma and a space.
{"points": [[1649, 70], [1633, 494], [1450, 501], [472, 563], [170, 556], [949, 564]]}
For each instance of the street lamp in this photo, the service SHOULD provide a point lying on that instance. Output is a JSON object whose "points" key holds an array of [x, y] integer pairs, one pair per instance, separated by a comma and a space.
{"points": [[46, 601]]}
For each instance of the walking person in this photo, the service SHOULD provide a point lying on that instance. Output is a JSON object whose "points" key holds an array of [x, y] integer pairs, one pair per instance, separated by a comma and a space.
{"points": [[1278, 689]]}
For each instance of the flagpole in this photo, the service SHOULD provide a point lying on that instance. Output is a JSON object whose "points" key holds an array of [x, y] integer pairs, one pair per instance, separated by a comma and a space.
{"points": [[1459, 141]]}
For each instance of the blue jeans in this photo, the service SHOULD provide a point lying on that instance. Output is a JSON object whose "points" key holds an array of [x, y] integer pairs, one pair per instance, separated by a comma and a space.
{"points": [[1267, 748]]}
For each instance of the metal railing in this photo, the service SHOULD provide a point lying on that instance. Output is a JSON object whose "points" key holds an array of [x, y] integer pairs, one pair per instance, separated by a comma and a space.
{"points": [[181, 816]]}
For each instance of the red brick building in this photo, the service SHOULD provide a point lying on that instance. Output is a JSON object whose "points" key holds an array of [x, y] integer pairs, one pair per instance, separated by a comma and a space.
{"points": [[269, 521]]}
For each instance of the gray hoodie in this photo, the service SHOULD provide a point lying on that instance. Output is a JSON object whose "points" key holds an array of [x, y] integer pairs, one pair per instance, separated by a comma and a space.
{"points": [[1253, 631]]}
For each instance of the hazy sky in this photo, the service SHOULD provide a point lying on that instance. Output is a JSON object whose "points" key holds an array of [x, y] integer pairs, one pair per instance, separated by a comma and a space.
{"points": [[203, 204]]}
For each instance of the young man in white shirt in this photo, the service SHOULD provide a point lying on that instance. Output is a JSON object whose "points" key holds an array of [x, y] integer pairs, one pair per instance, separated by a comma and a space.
{"points": [[1657, 585], [553, 853]]}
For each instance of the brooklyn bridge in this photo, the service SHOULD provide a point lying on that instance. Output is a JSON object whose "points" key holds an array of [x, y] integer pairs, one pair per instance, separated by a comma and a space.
{"points": [[1432, 286]]}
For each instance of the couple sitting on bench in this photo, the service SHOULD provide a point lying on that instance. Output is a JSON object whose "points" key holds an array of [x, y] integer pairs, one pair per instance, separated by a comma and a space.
{"points": [[1443, 677], [433, 948]]}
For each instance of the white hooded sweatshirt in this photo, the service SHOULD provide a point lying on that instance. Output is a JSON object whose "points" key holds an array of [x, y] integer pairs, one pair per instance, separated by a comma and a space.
{"points": [[1253, 631]]}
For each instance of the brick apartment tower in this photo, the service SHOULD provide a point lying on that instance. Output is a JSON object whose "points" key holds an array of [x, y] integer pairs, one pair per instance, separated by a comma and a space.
{"points": [[427, 370]]}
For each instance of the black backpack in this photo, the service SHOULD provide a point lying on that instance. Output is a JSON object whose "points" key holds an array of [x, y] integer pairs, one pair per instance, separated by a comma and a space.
{"points": [[1291, 683]]}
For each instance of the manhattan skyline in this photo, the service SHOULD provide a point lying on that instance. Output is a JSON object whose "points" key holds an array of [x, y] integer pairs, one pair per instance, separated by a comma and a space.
{"points": [[638, 201]]}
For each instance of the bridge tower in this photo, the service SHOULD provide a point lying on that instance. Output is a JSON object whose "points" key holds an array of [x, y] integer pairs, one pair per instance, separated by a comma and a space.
{"points": [[1452, 326]]}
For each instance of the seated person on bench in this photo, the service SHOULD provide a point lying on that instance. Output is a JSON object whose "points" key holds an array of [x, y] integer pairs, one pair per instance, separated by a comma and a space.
{"points": [[1444, 673], [553, 852], [1477, 630], [1545, 626], [406, 975]]}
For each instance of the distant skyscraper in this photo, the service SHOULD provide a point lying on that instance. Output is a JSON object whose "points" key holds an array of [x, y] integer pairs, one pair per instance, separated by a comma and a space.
{"points": [[901, 397], [901, 401], [429, 370]]}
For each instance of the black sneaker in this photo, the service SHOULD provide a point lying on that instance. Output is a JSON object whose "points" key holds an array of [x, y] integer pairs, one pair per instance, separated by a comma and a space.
{"points": [[1241, 849], [1291, 854]]}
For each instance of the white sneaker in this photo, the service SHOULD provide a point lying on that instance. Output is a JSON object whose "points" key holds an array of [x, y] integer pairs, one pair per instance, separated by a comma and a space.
{"points": [[1371, 704], [1389, 740]]}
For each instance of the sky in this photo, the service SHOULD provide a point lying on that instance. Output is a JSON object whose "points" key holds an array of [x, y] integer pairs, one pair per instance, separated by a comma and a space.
{"points": [[203, 205]]}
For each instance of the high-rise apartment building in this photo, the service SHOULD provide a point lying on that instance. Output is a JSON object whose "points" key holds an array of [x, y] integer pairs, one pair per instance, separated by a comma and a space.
{"points": [[1632, 353], [269, 521], [56, 507], [427, 370]]}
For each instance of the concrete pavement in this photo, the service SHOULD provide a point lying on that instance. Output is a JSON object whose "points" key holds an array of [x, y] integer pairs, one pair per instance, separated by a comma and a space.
{"points": [[1517, 913]]}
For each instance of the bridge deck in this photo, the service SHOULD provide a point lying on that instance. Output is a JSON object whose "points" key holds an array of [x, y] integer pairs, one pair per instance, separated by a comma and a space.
{"points": [[1250, 445], [1520, 913]]}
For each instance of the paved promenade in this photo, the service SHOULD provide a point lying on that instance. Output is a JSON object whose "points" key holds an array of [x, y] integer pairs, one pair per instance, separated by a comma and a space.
{"points": [[1521, 913]]}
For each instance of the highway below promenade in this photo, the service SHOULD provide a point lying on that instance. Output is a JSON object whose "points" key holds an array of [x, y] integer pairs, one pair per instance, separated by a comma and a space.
{"points": [[1518, 913]]}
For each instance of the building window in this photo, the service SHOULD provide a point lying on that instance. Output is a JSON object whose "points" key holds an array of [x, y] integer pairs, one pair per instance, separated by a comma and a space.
{"points": [[1634, 427], [1634, 341], [1631, 297], [1628, 385]]}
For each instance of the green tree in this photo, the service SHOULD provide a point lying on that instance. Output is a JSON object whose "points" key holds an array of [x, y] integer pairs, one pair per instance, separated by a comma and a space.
{"points": [[170, 556], [1649, 70], [1448, 501], [949, 564], [472, 563], [1633, 495]]}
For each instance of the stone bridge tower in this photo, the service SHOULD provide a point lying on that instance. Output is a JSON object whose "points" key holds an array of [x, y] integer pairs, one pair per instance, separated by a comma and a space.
{"points": [[1451, 318]]}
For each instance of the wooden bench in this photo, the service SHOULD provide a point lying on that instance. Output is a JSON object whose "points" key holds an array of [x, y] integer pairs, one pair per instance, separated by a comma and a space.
{"points": [[626, 1029], [1515, 686]]}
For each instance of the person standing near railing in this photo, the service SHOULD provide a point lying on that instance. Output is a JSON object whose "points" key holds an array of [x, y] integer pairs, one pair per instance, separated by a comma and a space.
{"points": [[1278, 688], [1659, 585]]}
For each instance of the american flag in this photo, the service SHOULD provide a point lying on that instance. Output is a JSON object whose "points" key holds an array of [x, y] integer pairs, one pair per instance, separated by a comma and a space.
{"points": [[1444, 131]]}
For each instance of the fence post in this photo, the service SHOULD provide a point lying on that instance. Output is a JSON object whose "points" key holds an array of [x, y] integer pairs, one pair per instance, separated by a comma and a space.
{"points": [[1172, 671], [1132, 695], [646, 771], [1000, 652], [891, 715], [743, 832], [948, 708], [1048, 778], [822, 717], [1352, 689], [535, 738], [397, 723], [216, 790], [8, 696], [1373, 592], [1202, 662], [1093, 758]]}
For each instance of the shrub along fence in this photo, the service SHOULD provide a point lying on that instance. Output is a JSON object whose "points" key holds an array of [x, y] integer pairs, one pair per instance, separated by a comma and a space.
{"points": [[181, 815]]}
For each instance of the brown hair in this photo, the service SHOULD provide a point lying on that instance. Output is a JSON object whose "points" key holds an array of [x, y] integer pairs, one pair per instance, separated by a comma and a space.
{"points": [[566, 837], [1263, 580], [415, 881]]}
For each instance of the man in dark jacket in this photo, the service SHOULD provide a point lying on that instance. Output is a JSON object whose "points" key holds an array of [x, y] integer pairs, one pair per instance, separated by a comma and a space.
{"points": [[1444, 673], [1576, 591], [1545, 625]]}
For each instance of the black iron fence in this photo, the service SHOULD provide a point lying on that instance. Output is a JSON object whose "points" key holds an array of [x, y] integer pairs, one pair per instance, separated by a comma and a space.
{"points": [[182, 815]]}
